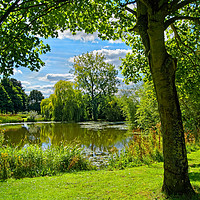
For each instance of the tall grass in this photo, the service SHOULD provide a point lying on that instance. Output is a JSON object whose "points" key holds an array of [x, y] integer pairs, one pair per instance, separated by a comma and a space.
{"points": [[146, 148], [32, 161]]}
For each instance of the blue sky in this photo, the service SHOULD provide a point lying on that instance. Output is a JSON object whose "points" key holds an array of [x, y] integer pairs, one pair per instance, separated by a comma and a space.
{"points": [[59, 61]]}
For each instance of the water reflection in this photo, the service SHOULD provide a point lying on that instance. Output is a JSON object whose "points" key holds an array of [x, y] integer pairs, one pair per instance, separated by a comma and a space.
{"points": [[97, 137]]}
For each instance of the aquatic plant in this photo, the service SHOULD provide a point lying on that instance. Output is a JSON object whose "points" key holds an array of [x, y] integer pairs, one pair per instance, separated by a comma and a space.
{"points": [[33, 161]]}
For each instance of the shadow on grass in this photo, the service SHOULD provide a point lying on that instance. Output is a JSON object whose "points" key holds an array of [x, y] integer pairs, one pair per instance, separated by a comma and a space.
{"points": [[194, 165], [194, 176], [187, 197]]}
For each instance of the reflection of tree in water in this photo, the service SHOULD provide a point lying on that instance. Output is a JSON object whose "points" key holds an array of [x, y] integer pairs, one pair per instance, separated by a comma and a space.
{"points": [[92, 139], [21, 135], [55, 133]]}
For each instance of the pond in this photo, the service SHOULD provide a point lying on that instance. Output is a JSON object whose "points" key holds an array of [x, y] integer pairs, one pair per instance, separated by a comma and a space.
{"points": [[96, 138]]}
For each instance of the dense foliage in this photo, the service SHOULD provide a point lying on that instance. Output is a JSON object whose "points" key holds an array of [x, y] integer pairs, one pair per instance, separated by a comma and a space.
{"points": [[34, 99], [66, 104], [13, 98]]}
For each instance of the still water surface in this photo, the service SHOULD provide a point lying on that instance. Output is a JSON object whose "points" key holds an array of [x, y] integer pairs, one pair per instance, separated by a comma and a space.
{"points": [[95, 137]]}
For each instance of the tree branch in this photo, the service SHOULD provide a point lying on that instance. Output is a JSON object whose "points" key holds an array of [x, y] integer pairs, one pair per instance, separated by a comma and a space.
{"points": [[173, 19], [178, 38], [33, 6], [176, 6], [10, 9], [131, 11], [128, 3]]}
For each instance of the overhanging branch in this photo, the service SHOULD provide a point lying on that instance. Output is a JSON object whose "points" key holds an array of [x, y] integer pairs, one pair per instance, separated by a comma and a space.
{"points": [[176, 6], [178, 38], [10, 9], [173, 19], [131, 11]]}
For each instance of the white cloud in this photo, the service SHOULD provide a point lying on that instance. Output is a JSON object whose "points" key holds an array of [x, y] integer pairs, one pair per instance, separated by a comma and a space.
{"points": [[80, 35], [57, 77], [112, 56], [25, 83], [115, 41], [17, 71]]}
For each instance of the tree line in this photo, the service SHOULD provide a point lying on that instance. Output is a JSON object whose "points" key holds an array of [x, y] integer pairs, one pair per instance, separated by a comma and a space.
{"points": [[13, 98]]}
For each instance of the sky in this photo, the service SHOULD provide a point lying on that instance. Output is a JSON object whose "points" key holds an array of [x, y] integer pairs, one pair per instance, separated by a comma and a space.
{"points": [[59, 61]]}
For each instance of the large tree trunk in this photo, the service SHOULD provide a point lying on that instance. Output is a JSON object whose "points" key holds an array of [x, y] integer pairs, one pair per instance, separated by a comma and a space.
{"points": [[163, 68]]}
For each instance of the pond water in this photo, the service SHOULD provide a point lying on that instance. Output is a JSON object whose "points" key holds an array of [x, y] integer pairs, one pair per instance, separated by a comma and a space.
{"points": [[97, 138]]}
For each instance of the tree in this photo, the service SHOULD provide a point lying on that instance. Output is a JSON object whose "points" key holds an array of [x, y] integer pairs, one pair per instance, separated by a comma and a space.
{"points": [[141, 24], [96, 78], [19, 24], [34, 99], [46, 108], [147, 111], [110, 109], [66, 104], [6, 104], [15, 93], [21, 92], [129, 102], [149, 20]]}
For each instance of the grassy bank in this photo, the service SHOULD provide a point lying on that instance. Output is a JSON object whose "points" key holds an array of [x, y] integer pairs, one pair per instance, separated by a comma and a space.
{"points": [[21, 117], [142, 182]]}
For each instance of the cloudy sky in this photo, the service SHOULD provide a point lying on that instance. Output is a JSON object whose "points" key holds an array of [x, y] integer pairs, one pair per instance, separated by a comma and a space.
{"points": [[59, 61]]}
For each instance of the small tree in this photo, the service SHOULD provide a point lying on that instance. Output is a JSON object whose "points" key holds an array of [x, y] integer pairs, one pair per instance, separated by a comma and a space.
{"points": [[96, 78], [34, 99]]}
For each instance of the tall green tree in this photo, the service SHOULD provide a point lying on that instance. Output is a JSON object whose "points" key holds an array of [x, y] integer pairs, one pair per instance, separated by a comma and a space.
{"points": [[47, 108], [18, 85], [96, 78], [34, 99], [142, 24], [6, 104], [66, 104], [15, 93]]}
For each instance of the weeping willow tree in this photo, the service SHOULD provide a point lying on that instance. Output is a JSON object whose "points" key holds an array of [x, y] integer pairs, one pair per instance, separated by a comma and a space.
{"points": [[66, 104]]}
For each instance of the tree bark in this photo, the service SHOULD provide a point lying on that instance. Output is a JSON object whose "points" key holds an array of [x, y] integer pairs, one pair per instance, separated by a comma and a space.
{"points": [[163, 68]]}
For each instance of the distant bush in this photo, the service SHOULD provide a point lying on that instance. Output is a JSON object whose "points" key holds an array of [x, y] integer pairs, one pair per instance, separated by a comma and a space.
{"points": [[33, 161], [32, 116]]}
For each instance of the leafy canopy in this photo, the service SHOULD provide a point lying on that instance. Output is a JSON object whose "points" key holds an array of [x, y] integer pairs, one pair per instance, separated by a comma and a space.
{"points": [[96, 78]]}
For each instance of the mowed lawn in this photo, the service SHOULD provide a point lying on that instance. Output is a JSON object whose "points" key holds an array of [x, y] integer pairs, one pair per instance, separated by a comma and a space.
{"points": [[143, 182]]}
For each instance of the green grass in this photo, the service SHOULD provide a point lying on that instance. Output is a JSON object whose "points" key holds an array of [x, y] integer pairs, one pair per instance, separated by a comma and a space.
{"points": [[142, 182], [12, 118]]}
